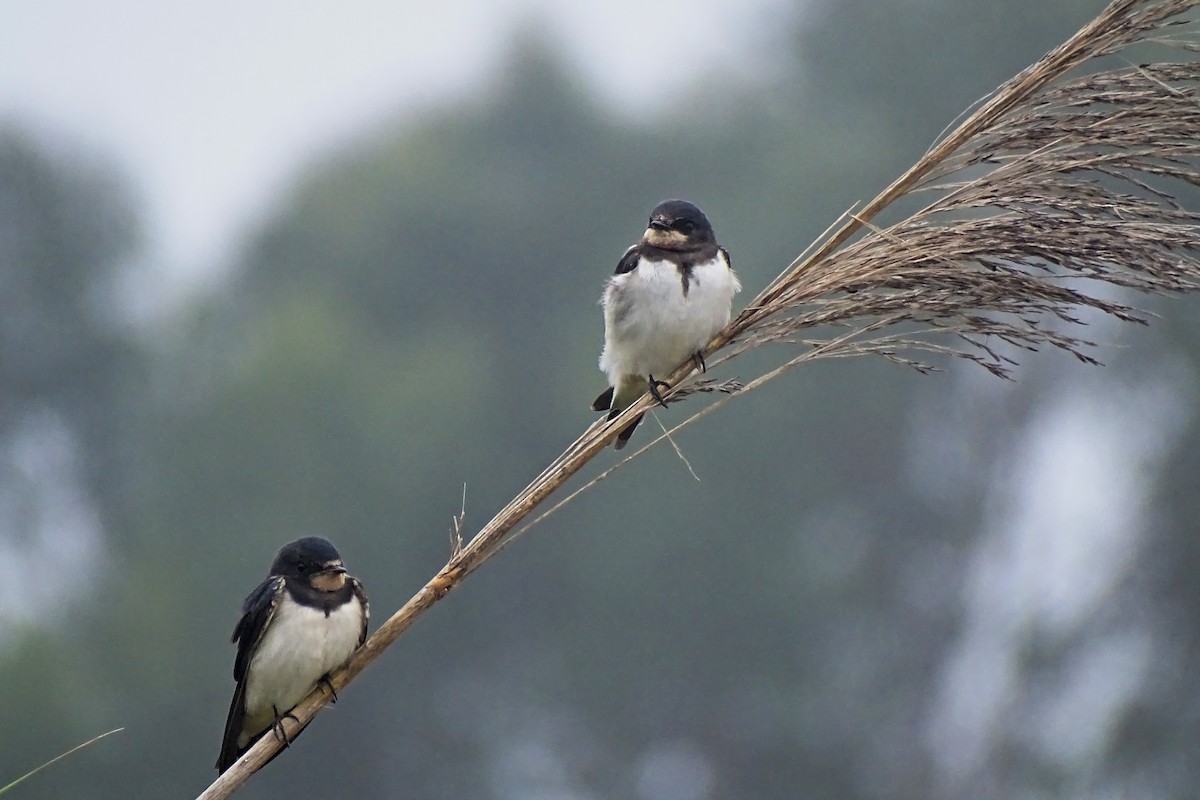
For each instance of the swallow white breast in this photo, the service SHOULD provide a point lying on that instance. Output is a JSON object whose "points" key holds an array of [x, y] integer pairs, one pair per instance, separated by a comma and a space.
{"points": [[300, 645], [651, 326]]}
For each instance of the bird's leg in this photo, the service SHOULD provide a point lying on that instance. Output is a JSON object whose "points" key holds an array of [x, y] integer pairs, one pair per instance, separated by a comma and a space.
{"points": [[698, 360], [277, 727], [656, 390], [324, 681]]}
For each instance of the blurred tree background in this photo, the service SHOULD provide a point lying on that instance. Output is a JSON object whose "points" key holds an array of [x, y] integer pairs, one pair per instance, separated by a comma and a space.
{"points": [[884, 585]]}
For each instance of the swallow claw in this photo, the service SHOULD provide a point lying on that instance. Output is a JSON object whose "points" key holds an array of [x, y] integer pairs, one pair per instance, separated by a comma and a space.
{"points": [[324, 681], [656, 388], [277, 727]]}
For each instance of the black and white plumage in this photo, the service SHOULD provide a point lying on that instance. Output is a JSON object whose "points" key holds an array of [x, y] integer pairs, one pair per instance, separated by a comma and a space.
{"points": [[670, 295], [298, 625]]}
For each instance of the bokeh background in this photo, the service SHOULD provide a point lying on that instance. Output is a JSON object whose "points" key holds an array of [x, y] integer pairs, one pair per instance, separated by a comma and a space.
{"points": [[279, 268]]}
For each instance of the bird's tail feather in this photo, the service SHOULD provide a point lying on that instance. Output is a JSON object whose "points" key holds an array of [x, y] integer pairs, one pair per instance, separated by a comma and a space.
{"points": [[616, 399], [604, 401], [230, 752], [623, 436]]}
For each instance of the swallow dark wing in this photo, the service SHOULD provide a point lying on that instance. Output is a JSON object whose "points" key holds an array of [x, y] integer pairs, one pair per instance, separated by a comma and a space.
{"points": [[257, 611], [361, 594], [629, 261], [725, 254]]}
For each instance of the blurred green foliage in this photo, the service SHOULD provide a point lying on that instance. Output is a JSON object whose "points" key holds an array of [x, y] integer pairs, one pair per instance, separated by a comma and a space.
{"points": [[420, 313]]}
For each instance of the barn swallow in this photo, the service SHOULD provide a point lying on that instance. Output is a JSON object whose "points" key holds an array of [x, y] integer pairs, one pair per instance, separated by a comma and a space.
{"points": [[670, 295], [300, 624]]}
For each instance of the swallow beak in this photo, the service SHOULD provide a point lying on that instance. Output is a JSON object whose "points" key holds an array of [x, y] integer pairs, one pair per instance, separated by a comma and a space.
{"points": [[330, 579], [659, 225]]}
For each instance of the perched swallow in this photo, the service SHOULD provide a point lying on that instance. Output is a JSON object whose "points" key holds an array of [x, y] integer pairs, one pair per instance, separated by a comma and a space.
{"points": [[299, 625], [670, 295]]}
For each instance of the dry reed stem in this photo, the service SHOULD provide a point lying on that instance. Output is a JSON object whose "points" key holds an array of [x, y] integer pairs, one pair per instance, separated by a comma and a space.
{"points": [[1057, 185]]}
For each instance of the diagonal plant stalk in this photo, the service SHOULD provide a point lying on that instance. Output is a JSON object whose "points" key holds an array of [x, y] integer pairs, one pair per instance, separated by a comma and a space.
{"points": [[1058, 188]]}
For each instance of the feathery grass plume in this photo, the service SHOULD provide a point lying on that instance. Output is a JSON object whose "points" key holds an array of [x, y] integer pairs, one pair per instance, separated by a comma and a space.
{"points": [[1047, 193], [1060, 186]]}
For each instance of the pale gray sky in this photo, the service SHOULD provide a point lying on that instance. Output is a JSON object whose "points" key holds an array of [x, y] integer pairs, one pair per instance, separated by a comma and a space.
{"points": [[211, 106]]}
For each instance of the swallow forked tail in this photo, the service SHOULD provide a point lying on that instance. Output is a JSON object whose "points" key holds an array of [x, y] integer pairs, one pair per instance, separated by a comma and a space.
{"points": [[606, 402]]}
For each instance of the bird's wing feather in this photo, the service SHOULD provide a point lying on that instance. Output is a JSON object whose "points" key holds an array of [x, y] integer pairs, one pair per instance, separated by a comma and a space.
{"points": [[257, 611], [361, 594], [737, 284], [629, 261], [230, 752]]}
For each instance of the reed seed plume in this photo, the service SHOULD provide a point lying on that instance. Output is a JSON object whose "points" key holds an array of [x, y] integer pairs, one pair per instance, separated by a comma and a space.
{"points": [[1042, 202]]}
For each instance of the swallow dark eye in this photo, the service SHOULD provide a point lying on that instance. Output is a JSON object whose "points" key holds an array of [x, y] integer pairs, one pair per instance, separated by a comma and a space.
{"points": [[685, 226], [302, 568]]}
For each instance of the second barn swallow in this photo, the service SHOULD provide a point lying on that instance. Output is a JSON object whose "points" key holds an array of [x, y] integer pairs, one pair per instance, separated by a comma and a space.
{"points": [[670, 295]]}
